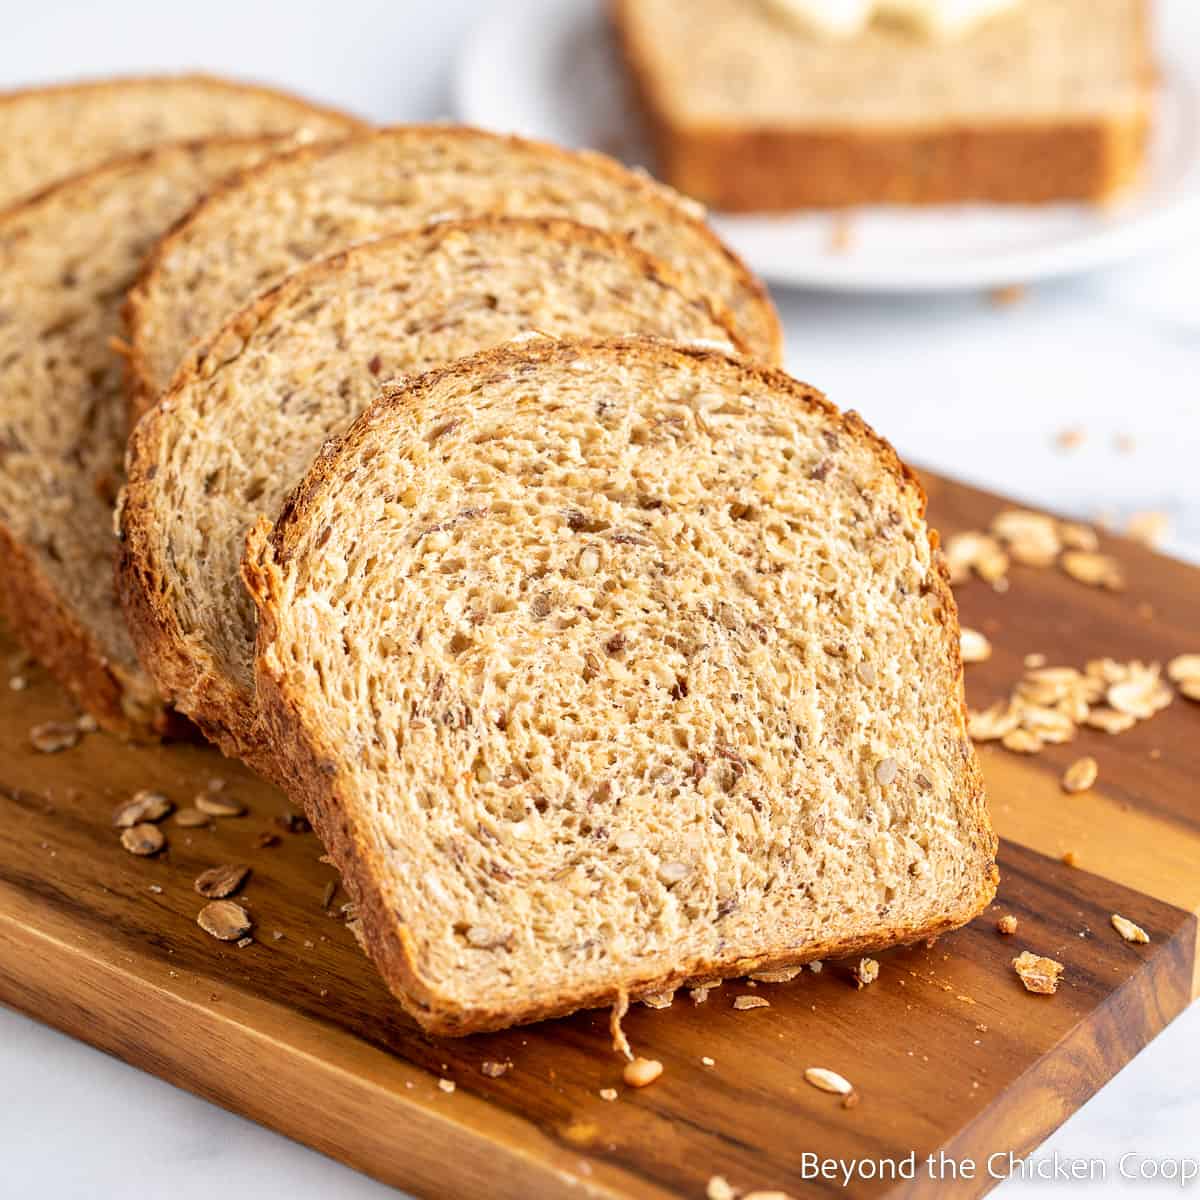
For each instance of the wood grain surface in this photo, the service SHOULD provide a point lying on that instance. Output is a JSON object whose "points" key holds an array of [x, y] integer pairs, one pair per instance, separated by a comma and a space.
{"points": [[947, 1051]]}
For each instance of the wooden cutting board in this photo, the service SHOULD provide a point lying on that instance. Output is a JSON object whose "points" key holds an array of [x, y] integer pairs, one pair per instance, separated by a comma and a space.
{"points": [[947, 1051]]}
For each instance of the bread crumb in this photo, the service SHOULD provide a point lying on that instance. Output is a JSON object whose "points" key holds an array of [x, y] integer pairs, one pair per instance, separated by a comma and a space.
{"points": [[719, 1189], [1069, 859], [744, 1002], [447, 1085], [708, 1062], [866, 971], [816, 966], [1080, 775], [659, 999], [1007, 296], [619, 1041], [1128, 930], [1038, 974], [608, 1093], [641, 1072], [493, 1070], [1007, 925]]}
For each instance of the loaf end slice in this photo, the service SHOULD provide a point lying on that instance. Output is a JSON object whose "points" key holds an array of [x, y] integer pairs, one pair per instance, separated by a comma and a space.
{"points": [[603, 667], [250, 410]]}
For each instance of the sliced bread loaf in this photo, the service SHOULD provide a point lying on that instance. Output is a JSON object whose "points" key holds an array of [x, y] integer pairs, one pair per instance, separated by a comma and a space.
{"points": [[322, 198], [66, 259], [248, 413], [47, 133], [604, 667], [752, 110]]}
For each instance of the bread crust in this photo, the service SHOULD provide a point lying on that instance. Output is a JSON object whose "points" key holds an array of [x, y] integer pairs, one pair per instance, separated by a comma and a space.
{"points": [[771, 168], [184, 671], [165, 81], [759, 324], [309, 766]]}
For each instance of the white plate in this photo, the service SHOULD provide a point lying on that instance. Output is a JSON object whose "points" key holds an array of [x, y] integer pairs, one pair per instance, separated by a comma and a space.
{"points": [[548, 69]]}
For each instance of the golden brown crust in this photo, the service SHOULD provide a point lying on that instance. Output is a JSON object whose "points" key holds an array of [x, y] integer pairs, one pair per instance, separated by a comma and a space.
{"points": [[758, 324], [182, 669], [766, 168], [312, 776]]}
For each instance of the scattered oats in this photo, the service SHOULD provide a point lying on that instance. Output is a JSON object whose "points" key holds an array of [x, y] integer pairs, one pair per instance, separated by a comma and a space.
{"points": [[143, 806], [974, 551], [190, 818], [975, 647], [866, 971], [143, 840], [1149, 528], [493, 1070], [1033, 661], [87, 723], [1007, 925], [885, 771], [1128, 930], [992, 724], [816, 966], [608, 1093], [1076, 536], [277, 935], [1022, 741], [52, 736], [249, 941], [1038, 974], [330, 891], [219, 882], [1109, 720], [1094, 569], [1080, 775], [214, 806], [225, 920], [744, 1002], [1031, 538], [699, 995], [1140, 695], [828, 1081], [659, 999], [708, 1062], [642, 1071], [778, 975], [719, 1189], [1184, 667], [1190, 689], [155, 888], [446, 1085]]}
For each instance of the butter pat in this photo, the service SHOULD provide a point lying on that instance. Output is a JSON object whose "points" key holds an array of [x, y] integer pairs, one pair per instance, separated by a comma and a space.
{"points": [[930, 18]]}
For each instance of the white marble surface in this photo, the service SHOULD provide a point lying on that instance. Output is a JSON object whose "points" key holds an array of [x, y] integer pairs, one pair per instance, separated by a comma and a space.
{"points": [[958, 384]]}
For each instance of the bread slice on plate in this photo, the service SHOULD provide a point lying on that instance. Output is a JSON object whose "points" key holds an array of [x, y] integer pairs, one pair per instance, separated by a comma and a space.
{"points": [[322, 198], [602, 667], [66, 258], [50, 132], [751, 109], [249, 412]]}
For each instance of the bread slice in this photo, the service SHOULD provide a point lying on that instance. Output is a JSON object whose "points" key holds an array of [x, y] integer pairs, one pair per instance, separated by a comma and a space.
{"points": [[748, 111], [47, 133], [66, 258], [323, 198], [247, 415], [601, 667]]}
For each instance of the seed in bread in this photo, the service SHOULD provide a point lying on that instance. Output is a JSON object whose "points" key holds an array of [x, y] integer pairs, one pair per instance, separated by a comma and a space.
{"points": [[250, 411], [430, 654], [323, 198]]}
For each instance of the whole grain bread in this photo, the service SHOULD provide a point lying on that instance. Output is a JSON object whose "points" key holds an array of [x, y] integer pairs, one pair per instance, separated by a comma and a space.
{"points": [[322, 198], [749, 111], [47, 133], [66, 259], [603, 667], [250, 410]]}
